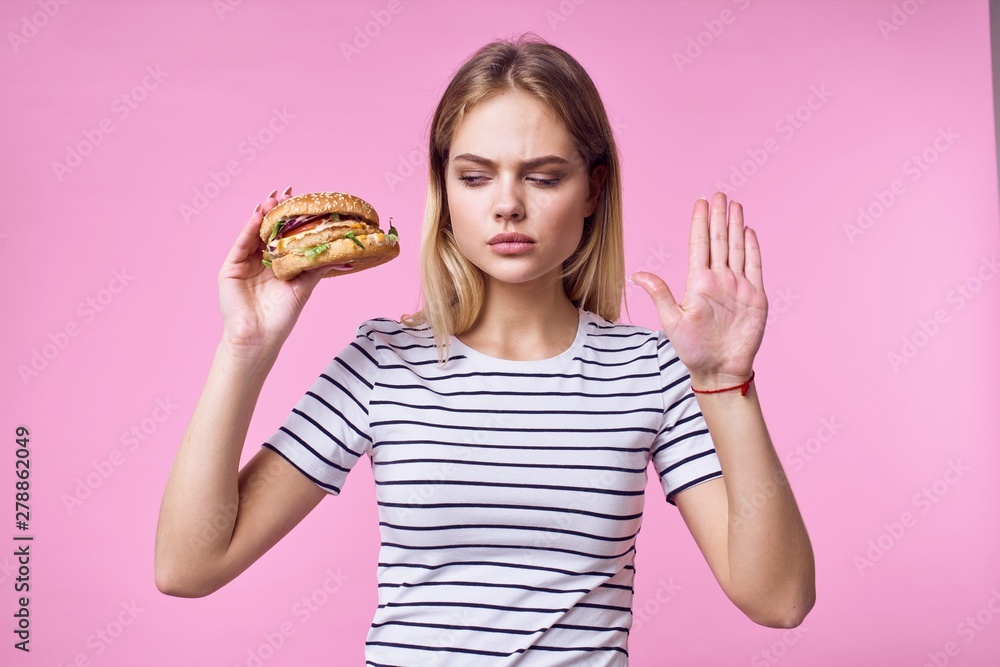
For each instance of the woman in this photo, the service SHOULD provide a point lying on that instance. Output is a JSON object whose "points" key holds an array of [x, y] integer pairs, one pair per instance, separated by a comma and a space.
{"points": [[510, 423]]}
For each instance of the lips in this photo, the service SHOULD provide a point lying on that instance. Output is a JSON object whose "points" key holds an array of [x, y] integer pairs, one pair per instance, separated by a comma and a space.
{"points": [[510, 237]]}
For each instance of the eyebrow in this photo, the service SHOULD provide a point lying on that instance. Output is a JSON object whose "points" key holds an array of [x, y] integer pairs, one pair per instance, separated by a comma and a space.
{"points": [[527, 164]]}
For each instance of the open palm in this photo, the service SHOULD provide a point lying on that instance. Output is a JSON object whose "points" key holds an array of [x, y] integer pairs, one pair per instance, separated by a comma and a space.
{"points": [[717, 328]]}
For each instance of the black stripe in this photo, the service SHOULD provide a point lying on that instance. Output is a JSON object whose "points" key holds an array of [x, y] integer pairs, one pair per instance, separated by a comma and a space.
{"points": [[589, 649], [536, 376], [542, 529], [621, 335], [671, 427], [680, 380], [511, 631], [566, 626], [686, 460], [340, 414], [686, 397], [345, 390], [460, 427], [449, 649], [325, 432], [484, 411], [445, 626], [282, 455], [703, 478], [405, 347], [624, 517], [679, 438], [474, 605], [496, 547], [582, 394], [567, 448], [516, 566], [618, 349], [670, 363], [353, 372], [631, 360], [354, 344], [497, 464], [594, 605], [613, 492], [322, 458], [484, 584]]}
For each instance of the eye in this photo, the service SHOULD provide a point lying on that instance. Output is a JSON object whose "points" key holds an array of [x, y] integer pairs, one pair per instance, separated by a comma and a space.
{"points": [[472, 181], [544, 182]]}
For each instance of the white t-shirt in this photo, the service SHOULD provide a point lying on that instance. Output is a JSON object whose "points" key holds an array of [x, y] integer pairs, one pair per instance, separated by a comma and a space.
{"points": [[510, 493]]}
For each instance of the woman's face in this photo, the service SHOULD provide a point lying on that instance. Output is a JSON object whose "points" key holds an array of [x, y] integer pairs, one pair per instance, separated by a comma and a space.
{"points": [[513, 168]]}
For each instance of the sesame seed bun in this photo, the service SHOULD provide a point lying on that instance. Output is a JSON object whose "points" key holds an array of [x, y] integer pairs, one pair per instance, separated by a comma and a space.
{"points": [[349, 243]]}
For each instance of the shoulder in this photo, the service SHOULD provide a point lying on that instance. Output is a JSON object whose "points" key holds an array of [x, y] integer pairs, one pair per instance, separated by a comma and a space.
{"points": [[387, 334], [631, 341], [602, 329]]}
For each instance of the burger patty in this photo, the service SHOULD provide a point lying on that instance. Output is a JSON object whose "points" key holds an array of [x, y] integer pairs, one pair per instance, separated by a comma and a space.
{"points": [[319, 231]]}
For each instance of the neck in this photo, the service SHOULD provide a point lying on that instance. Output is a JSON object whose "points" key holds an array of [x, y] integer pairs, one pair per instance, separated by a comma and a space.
{"points": [[524, 321]]}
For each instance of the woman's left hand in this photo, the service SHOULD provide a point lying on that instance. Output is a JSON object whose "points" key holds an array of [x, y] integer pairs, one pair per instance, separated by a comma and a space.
{"points": [[719, 325]]}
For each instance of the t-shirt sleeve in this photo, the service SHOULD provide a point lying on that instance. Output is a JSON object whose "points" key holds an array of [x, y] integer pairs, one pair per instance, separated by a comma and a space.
{"points": [[683, 453], [328, 429]]}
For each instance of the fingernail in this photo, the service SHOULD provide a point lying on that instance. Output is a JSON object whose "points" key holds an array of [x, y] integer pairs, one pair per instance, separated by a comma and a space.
{"points": [[274, 193], [287, 191], [257, 210], [629, 278], [703, 197]]}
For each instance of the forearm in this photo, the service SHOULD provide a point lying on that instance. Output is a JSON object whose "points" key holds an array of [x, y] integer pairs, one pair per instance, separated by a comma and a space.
{"points": [[771, 566], [201, 498]]}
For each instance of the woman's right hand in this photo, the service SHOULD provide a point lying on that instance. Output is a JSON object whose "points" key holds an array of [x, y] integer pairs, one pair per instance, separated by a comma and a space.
{"points": [[258, 309]]}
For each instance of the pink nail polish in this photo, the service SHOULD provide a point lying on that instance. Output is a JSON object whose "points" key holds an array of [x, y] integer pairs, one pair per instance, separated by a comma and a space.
{"points": [[287, 191], [274, 193]]}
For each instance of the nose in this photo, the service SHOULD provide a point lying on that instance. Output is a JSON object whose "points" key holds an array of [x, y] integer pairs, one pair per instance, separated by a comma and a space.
{"points": [[509, 204]]}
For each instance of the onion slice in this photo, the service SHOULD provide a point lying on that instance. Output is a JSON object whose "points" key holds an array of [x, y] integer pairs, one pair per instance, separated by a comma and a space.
{"points": [[298, 221]]}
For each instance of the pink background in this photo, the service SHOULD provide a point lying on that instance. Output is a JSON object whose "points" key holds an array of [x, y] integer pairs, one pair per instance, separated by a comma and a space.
{"points": [[860, 437]]}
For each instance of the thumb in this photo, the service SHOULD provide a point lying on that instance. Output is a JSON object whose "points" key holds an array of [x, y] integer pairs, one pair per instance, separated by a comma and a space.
{"points": [[663, 299], [309, 279]]}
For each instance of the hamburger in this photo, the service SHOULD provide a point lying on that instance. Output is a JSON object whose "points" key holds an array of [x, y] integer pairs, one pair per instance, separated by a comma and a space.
{"points": [[332, 231]]}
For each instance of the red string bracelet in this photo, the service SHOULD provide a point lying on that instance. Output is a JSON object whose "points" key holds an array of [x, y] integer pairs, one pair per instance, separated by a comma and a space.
{"points": [[744, 388]]}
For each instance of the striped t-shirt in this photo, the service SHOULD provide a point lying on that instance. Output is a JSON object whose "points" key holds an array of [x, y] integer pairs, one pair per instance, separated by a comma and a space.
{"points": [[510, 493]]}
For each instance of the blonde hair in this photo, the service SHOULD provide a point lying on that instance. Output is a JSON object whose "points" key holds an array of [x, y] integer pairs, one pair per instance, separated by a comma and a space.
{"points": [[594, 276]]}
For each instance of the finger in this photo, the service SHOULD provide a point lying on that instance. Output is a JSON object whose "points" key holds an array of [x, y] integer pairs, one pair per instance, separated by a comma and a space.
{"points": [[754, 270], [268, 205], [698, 243], [718, 232], [737, 250], [248, 242], [309, 279], [663, 299]]}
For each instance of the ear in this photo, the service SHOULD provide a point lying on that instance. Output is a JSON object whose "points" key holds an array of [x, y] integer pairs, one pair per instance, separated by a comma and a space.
{"points": [[597, 177]]}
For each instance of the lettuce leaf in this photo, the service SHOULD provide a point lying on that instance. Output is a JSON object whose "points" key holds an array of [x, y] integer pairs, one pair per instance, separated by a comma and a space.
{"points": [[350, 235], [277, 228], [312, 251]]}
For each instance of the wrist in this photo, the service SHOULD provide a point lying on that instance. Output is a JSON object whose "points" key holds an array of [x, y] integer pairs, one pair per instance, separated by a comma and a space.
{"points": [[717, 382], [248, 356]]}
